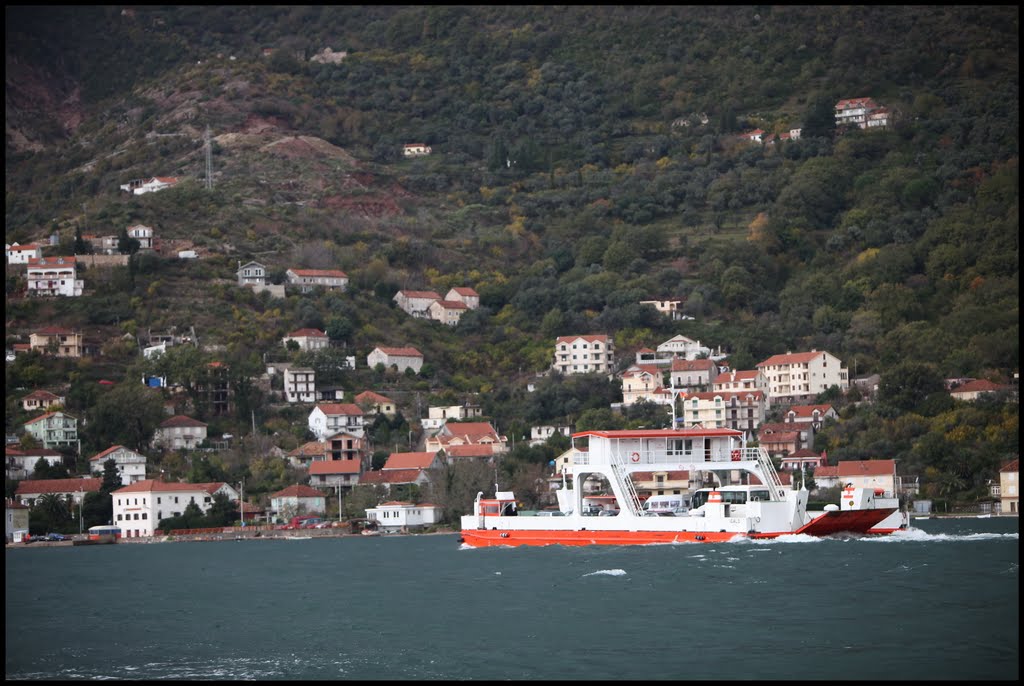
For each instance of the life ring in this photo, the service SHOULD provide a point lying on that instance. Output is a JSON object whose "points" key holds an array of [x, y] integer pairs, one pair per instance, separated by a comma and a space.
{"points": [[735, 455], [634, 457]]}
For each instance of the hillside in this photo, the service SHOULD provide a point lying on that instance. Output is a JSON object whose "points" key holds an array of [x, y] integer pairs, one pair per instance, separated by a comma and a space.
{"points": [[583, 159]]}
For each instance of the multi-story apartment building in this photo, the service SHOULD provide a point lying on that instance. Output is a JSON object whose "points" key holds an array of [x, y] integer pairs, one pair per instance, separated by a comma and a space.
{"points": [[794, 377], [300, 385], [139, 507], [328, 419], [584, 354], [56, 341], [740, 410], [55, 430]]}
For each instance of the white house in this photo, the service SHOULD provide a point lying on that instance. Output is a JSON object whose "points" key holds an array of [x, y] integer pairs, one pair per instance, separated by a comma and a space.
{"points": [[540, 434], [741, 380], [416, 149], [692, 374], [308, 339], [642, 382], [179, 433], [796, 376], [861, 112], [300, 385], [40, 400], [308, 279], [296, 500], [327, 419], [681, 346], [21, 254], [342, 473], [416, 303], [399, 358], [437, 415], [150, 185], [72, 490], [139, 507], [397, 515], [251, 274], [53, 276], [584, 354], [670, 308], [447, 311], [464, 294], [131, 466], [143, 234], [21, 463]]}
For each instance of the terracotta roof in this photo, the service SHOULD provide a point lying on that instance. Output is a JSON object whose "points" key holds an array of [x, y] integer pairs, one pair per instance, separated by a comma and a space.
{"points": [[40, 395], [791, 358], [401, 352], [470, 430], [309, 449], [978, 386], [393, 476], [808, 410], [307, 333], [371, 397], [335, 409], [865, 468], [826, 472], [453, 304], [593, 338], [158, 486], [52, 331], [113, 448], [180, 421], [45, 416], [471, 450], [330, 273], [1011, 466], [780, 437], [466, 291], [421, 294], [725, 395], [679, 365], [415, 460], [89, 485], [805, 453], [56, 261], [324, 467], [298, 491]]}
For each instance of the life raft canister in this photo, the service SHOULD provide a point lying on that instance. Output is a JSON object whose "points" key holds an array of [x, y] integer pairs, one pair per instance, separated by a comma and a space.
{"points": [[714, 497]]}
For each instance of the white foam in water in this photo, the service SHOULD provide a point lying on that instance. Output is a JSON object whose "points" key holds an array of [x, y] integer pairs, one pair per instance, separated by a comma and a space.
{"points": [[608, 572]]}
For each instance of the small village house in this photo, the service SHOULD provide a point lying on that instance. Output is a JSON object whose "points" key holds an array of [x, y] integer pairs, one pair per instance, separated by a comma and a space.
{"points": [[342, 474], [55, 430], [73, 490], [50, 276], [1009, 488], [41, 400], [308, 339], [131, 466], [375, 403], [21, 462], [300, 385], [464, 294], [308, 279], [21, 254], [179, 433], [416, 303], [398, 515], [296, 500], [327, 419], [399, 358]]}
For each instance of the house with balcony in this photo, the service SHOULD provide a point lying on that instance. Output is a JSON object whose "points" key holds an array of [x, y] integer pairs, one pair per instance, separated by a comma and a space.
{"points": [[794, 377], [644, 383], [131, 466], [584, 354], [308, 279], [342, 474], [815, 415], [804, 461], [251, 274], [55, 430], [480, 436], [56, 341], [437, 415], [740, 410], [143, 234], [179, 433], [673, 309], [781, 439], [1009, 488], [682, 347], [540, 434], [150, 185], [300, 385], [662, 482], [692, 375], [416, 150], [743, 380], [861, 112], [52, 276], [327, 419], [308, 453]]}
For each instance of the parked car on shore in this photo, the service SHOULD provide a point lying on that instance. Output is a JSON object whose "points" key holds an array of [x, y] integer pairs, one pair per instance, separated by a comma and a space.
{"points": [[56, 537]]}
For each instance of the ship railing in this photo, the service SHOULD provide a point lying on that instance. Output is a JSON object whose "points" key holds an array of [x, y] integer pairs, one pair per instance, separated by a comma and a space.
{"points": [[770, 476]]}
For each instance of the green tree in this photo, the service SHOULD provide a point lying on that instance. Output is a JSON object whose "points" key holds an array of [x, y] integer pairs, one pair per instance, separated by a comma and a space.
{"points": [[127, 415], [905, 385]]}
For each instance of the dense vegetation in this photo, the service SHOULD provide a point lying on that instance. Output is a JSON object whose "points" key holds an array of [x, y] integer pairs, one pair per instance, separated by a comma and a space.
{"points": [[584, 159]]}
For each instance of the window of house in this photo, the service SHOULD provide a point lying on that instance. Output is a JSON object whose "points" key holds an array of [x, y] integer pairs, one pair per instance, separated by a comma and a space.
{"points": [[145, 515], [119, 517]]}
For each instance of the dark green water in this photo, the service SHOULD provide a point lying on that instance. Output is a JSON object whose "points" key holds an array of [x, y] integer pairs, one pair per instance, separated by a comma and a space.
{"points": [[937, 603]]}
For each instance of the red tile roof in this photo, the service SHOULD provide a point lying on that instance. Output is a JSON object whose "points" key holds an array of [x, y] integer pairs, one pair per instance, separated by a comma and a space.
{"points": [[453, 304], [298, 491], [415, 460], [329, 273], [180, 421], [158, 486], [325, 467], [401, 352], [371, 397], [30, 486], [336, 409], [309, 449], [808, 410], [45, 416], [679, 365], [41, 395], [471, 450], [391, 477], [100, 456], [1012, 466], [865, 468], [978, 386], [791, 358], [465, 291], [421, 294], [307, 333], [593, 338]]}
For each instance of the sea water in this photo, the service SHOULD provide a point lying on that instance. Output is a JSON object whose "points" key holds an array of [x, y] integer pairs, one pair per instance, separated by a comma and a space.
{"points": [[939, 602]]}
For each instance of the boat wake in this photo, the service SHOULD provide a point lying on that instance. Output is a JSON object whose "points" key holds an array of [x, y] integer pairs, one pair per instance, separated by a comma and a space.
{"points": [[608, 572]]}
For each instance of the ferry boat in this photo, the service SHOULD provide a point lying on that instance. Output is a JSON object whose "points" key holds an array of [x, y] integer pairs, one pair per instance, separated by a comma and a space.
{"points": [[741, 496]]}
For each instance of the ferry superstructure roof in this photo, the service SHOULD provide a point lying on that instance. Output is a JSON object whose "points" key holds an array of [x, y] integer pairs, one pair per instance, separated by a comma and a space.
{"points": [[658, 433]]}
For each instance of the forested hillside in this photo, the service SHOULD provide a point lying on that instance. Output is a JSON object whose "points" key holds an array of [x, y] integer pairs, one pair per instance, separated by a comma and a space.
{"points": [[584, 159]]}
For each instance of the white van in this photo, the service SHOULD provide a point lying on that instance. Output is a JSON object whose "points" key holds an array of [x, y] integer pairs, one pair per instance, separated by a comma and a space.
{"points": [[664, 504]]}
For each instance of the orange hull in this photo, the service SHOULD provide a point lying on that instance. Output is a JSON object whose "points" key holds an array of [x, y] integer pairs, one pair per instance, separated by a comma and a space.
{"points": [[482, 538]]}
